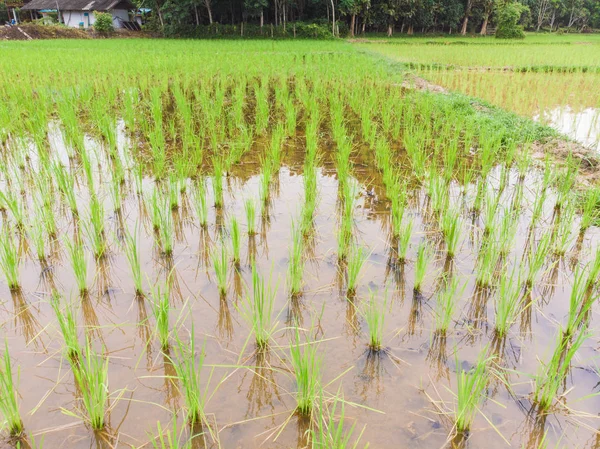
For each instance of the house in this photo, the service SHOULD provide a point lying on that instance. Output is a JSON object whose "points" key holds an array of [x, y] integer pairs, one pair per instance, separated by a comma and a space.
{"points": [[80, 13]]}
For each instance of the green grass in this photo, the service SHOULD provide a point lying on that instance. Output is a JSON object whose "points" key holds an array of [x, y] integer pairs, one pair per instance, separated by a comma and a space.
{"points": [[296, 263], [79, 264], [161, 308], [374, 313], [307, 363], [470, 388], [10, 260], [424, 258], [220, 260], [67, 323], [356, 260], [132, 252]]}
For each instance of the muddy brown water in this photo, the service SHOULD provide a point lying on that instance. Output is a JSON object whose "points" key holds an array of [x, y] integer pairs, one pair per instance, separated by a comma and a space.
{"points": [[251, 398]]}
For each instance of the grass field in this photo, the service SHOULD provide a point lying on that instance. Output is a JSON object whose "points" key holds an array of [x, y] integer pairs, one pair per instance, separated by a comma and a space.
{"points": [[276, 244]]}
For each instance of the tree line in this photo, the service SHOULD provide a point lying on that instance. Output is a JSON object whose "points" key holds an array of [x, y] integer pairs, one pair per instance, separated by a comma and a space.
{"points": [[355, 17]]}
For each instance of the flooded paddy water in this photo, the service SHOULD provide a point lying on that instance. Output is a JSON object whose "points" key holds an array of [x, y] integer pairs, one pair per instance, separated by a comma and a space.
{"points": [[473, 259]]}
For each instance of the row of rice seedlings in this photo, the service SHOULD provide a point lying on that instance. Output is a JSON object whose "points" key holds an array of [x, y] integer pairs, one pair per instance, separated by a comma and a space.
{"points": [[257, 309], [9, 405]]}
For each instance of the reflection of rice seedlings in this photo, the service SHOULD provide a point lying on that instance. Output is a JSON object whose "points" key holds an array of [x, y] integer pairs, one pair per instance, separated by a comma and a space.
{"points": [[446, 305], [537, 258], [424, 258], [589, 214], [133, 257], [580, 302], [508, 304], [9, 406], [451, 227], [306, 363], [250, 208], [470, 385], [356, 259], [10, 260], [404, 240], [220, 262], [201, 205], [68, 326], [331, 431], [235, 240], [189, 373], [374, 313], [91, 375], [296, 264], [161, 308], [550, 377], [257, 310]]}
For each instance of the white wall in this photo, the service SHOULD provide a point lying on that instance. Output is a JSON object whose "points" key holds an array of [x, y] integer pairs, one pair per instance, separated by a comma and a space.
{"points": [[74, 18]]}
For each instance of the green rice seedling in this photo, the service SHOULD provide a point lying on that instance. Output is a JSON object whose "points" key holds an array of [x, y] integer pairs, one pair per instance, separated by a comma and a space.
{"points": [[398, 206], [166, 232], [509, 302], [589, 213], [173, 192], [171, 439], [10, 260], [67, 323], [95, 227], [235, 240], [12, 202], [296, 264], [155, 208], [189, 374], [161, 308], [332, 431], [446, 305], [133, 257], [201, 205], [550, 377], [563, 230], [451, 228], [489, 211], [470, 386], [79, 264], [537, 259], [374, 313], [38, 238], [250, 209], [424, 258], [9, 406], [91, 375], [217, 181], [566, 182], [257, 310], [486, 264], [404, 240], [356, 260], [66, 185], [594, 271], [580, 302], [306, 362], [220, 262], [344, 237], [507, 232], [264, 186]]}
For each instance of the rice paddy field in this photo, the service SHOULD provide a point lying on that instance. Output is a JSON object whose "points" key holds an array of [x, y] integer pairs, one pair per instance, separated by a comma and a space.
{"points": [[552, 79], [274, 244]]}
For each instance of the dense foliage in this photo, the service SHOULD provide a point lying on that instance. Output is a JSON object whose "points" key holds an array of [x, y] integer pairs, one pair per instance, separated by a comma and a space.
{"points": [[275, 18], [103, 22], [508, 22]]}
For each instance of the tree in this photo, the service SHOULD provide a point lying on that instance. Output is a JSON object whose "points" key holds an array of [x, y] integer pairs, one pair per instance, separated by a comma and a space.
{"points": [[508, 17]]}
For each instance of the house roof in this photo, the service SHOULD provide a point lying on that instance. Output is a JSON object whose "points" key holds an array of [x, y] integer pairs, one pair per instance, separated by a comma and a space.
{"points": [[79, 5]]}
